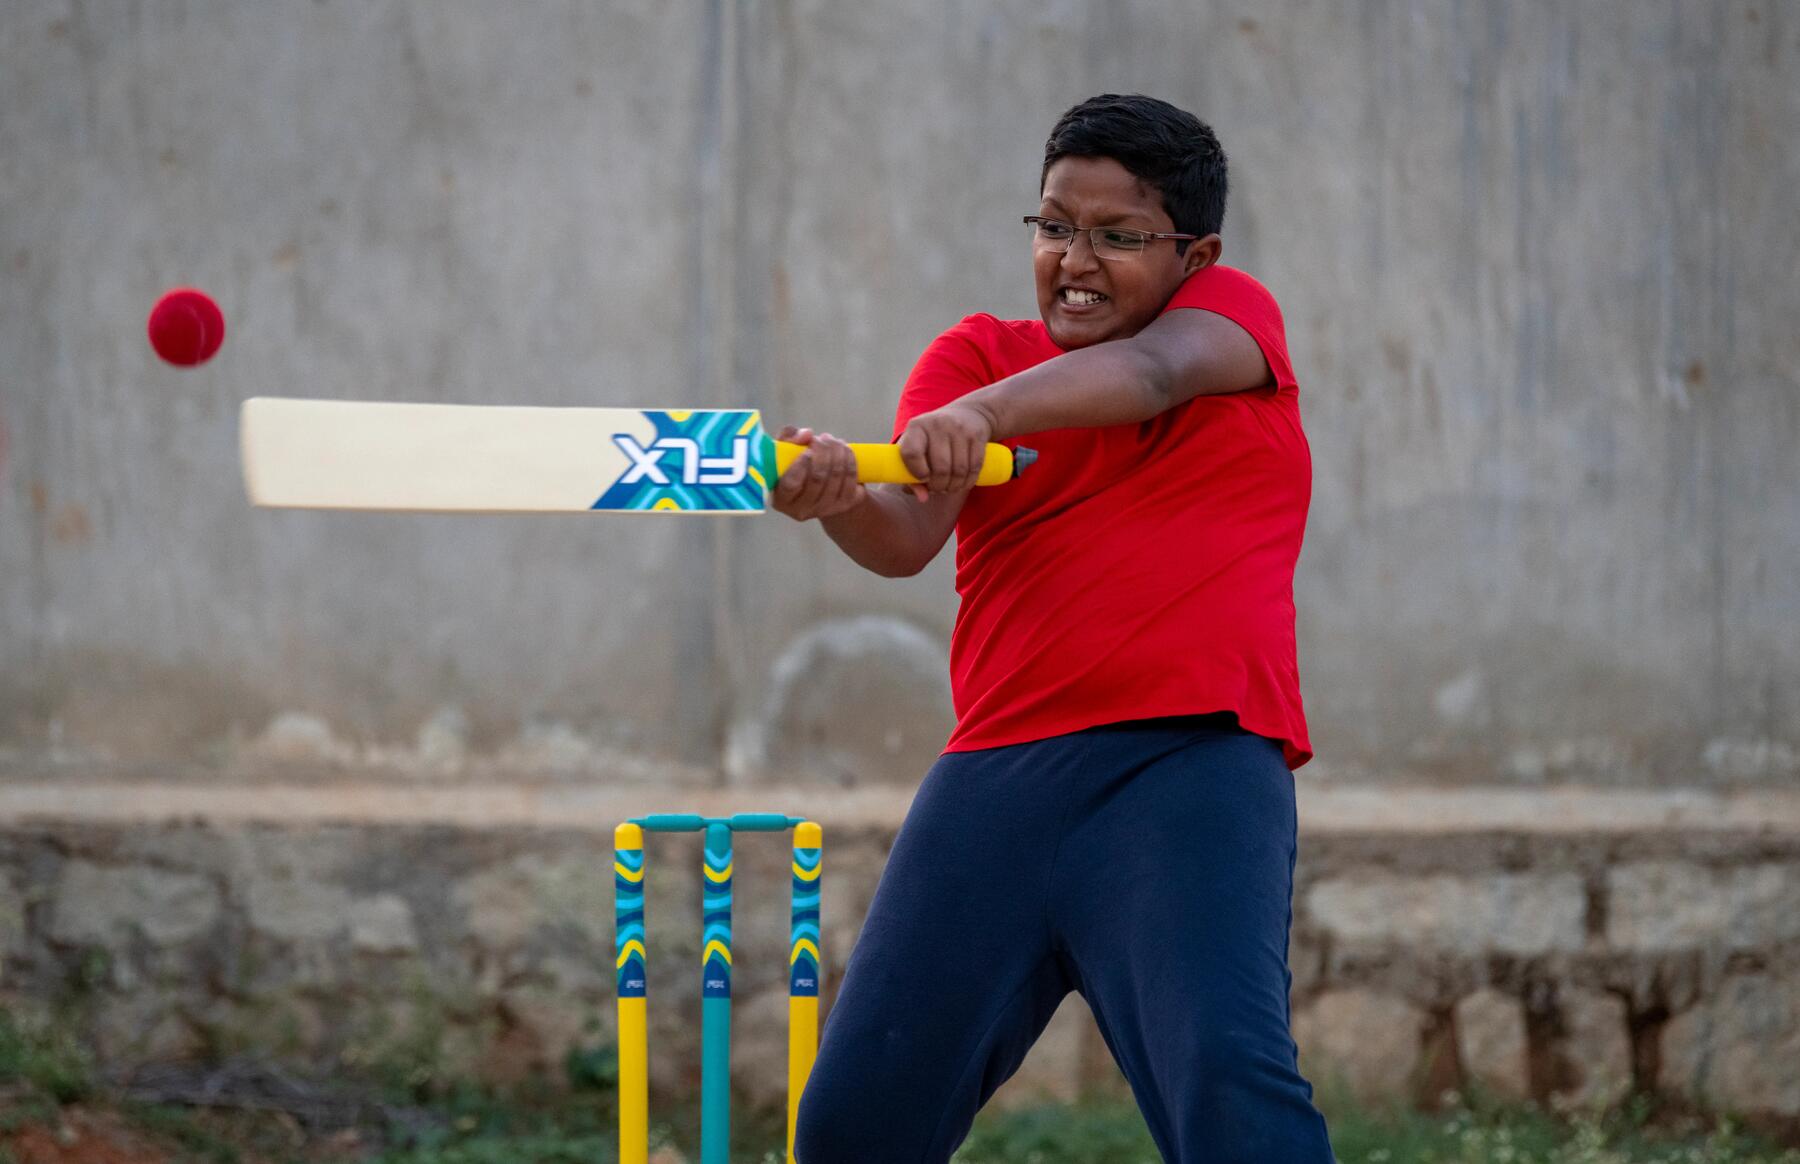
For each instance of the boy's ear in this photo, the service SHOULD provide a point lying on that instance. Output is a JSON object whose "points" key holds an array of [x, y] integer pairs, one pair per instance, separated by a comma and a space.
{"points": [[1202, 252]]}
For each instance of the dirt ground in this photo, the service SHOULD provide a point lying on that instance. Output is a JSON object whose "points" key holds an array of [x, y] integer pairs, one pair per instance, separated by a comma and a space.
{"points": [[82, 1136], [96, 1134]]}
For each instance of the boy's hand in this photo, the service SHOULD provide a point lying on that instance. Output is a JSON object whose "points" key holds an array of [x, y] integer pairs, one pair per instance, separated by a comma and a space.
{"points": [[944, 448], [822, 482]]}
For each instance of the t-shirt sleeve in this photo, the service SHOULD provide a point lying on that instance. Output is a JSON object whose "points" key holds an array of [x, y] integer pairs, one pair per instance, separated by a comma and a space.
{"points": [[1238, 297], [954, 365]]}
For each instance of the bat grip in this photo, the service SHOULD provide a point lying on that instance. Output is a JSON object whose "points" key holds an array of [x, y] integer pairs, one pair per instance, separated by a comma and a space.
{"points": [[881, 464]]}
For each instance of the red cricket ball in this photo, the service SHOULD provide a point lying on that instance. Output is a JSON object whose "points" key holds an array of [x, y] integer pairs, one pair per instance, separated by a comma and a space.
{"points": [[186, 327]]}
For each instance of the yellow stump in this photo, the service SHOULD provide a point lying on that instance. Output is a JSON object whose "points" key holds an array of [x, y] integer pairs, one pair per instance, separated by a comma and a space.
{"points": [[803, 1047], [803, 968], [633, 967]]}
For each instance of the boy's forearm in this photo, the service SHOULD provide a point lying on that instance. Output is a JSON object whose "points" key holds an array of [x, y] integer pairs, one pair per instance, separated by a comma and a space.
{"points": [[1181, 355], [885, 534], [1107, 384]]}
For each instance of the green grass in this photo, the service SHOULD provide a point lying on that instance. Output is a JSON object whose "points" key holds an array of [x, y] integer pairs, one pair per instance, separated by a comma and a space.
{"points": [[189, 1131], [1053, 1134], [543, 1148], [43, 1067], [1479, 1133], [1467, 1134], [1113, 1133], [44, 1057]]}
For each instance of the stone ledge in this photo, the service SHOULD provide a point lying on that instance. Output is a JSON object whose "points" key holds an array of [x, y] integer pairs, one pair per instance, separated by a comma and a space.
{"points": [[1568, 945], [1323, 811]]}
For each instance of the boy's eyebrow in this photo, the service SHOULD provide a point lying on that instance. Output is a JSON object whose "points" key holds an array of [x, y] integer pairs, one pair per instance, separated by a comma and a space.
{"points": [[1115, 219], [1105, 219]]}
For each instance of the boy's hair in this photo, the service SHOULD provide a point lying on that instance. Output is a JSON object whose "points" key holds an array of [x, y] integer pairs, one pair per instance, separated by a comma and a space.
{"points": [[1166, 148]]}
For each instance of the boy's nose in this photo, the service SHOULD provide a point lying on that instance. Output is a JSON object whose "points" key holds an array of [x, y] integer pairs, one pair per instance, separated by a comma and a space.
{"points": [[1080, 256]]}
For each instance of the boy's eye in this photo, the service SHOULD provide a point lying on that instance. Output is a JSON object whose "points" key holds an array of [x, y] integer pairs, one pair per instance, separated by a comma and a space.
{"points": [[1055, 230], [1122, 240]]}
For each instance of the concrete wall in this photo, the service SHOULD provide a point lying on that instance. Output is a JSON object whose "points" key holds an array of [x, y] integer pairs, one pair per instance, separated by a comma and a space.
{"points": [[1537, 261]]}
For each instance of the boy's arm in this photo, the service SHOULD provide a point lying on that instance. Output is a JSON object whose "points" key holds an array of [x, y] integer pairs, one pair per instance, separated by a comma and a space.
{"points": [[894, 533], [1180, 355], [882, 528]]}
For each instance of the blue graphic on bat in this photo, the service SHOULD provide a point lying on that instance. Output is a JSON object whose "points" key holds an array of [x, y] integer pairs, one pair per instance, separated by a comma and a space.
{"points": [[704, 460]]}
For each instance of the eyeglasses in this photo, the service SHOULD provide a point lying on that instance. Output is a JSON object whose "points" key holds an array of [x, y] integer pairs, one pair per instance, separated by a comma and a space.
{"points": [[1109, 242]]}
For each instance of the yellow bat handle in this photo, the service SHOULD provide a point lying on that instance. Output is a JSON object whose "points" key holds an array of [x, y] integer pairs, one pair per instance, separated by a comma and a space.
{"points": [[882, 464]]}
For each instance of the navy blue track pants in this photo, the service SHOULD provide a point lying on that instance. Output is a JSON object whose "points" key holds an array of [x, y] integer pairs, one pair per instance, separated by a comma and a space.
{"points": [[1148, 866]]}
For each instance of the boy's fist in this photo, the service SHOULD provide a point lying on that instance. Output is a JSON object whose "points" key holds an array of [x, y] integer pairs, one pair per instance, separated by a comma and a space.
{"points": [[822, 482], [944, 448]]}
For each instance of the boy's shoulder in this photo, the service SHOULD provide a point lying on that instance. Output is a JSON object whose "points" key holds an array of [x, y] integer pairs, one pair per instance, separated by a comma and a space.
{"points": [[999, 340], [971, 353], [983, 324], [1219, 283]]}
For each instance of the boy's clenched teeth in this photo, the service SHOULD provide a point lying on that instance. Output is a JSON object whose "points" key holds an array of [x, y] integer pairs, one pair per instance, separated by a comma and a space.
{"points": [[1081, 297]]}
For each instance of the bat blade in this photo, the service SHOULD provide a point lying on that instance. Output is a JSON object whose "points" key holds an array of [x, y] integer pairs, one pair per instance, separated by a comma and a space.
{"points": [[461, 458]]}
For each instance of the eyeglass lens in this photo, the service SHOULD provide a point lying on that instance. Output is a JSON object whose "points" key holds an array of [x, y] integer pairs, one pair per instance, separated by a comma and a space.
{"points": [[1108, 242]]}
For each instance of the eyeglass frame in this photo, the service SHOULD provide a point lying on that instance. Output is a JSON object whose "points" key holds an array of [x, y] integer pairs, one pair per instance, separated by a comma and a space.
{"points": [[1148, 236]]}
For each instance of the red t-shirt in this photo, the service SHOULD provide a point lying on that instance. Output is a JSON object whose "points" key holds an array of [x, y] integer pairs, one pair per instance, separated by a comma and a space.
{"points": [[1138, 570]]}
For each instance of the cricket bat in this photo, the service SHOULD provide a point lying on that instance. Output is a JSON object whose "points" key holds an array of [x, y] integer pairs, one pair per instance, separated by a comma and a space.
{"points": [[463, 458]]}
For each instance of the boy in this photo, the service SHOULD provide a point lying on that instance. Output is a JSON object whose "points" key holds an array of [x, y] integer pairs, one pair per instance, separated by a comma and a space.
{"points": [[1114, 813]]}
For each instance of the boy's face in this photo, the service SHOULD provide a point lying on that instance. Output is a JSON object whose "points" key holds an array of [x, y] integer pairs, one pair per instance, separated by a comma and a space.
{"points": [[1100, 192]]}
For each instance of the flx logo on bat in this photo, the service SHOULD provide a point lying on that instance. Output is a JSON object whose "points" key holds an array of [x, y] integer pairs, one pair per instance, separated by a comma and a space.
{"points": [[695, 468], [702, 460]]}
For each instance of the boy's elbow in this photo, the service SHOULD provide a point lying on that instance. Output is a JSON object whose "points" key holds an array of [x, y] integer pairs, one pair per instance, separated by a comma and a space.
{"points": [[899, 567], [1157, 381]]}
